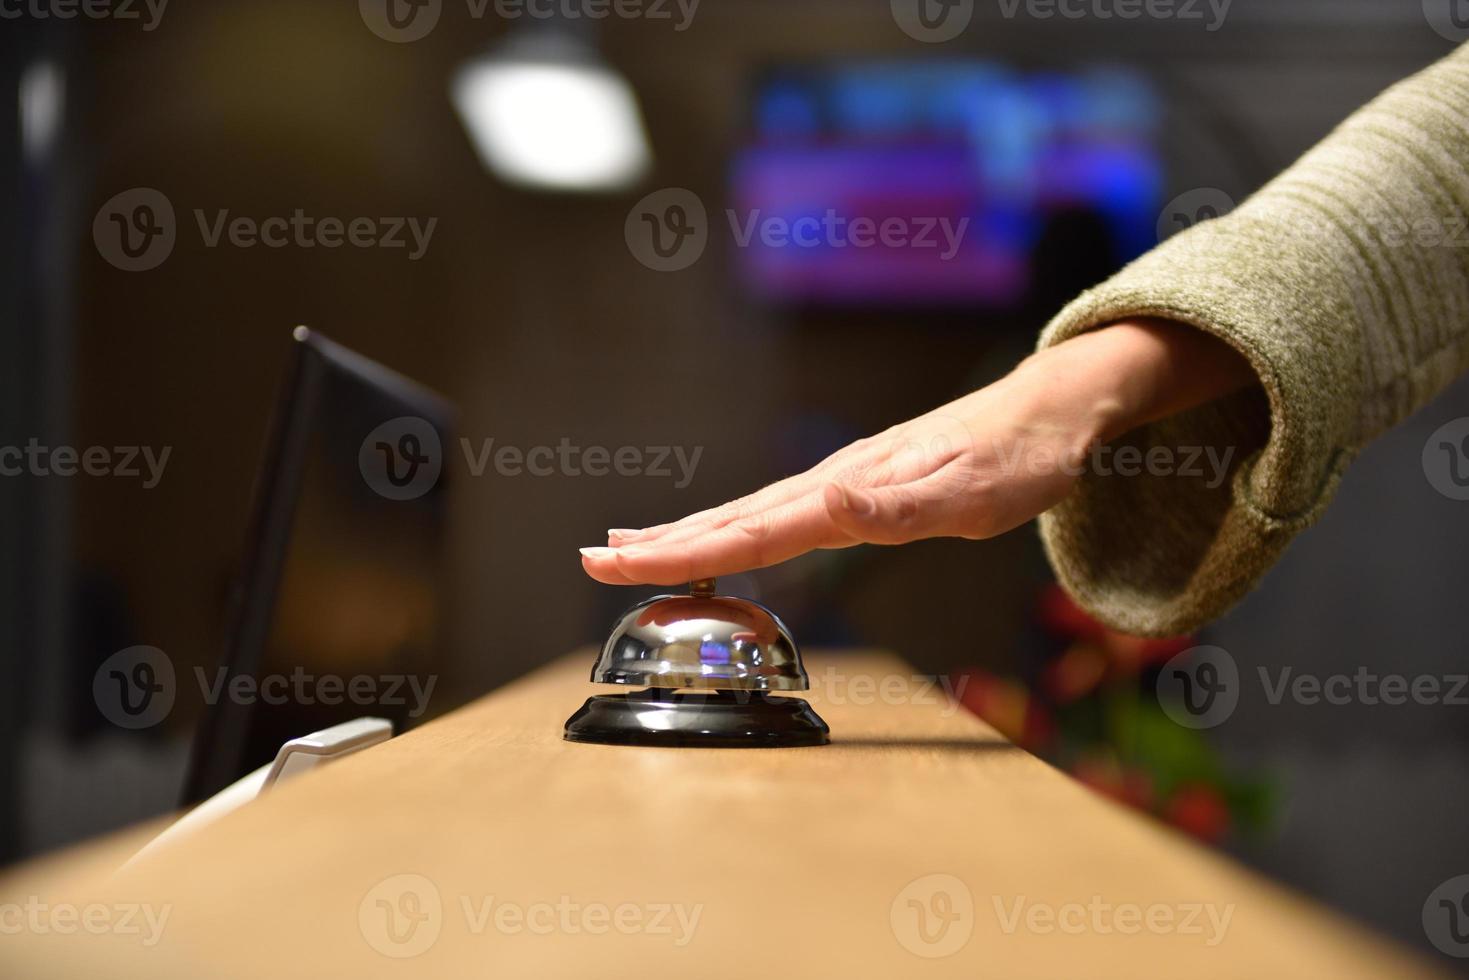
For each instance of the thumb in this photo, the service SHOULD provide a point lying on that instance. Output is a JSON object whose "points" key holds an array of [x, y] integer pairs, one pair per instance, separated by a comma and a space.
{"points": [[926, 508]]}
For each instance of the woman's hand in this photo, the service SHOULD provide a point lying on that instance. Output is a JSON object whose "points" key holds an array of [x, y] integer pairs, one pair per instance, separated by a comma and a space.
{"points": [[975, 468]]}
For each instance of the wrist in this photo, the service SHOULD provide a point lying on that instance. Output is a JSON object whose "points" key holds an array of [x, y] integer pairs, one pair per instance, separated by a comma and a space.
{"points": [[1115, 378], [1063, 391]]}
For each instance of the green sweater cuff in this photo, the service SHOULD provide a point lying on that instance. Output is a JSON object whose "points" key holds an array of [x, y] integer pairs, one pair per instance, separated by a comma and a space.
{"points": [[1162, 551], [1345, 283]]}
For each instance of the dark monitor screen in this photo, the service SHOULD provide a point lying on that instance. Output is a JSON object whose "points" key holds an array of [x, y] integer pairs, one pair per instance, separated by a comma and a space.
{"points": [[337, 613]]}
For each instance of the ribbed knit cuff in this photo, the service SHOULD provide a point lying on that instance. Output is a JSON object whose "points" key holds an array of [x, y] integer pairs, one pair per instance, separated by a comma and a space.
{"points": [[1162, 551]]}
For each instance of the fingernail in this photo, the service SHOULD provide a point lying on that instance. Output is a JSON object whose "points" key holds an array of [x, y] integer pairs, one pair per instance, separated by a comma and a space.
{"points": [[858, 502], [597, 554], [625, 533]]}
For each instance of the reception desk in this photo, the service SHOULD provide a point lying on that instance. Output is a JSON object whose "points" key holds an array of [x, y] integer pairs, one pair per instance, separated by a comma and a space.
{"points": [[918, 843]]}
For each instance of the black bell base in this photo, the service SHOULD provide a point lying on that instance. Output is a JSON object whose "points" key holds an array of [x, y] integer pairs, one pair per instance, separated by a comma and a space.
{"points": [[715, 720]]}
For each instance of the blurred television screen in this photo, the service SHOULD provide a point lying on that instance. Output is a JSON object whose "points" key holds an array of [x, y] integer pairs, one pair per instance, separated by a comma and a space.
{"points": [[956, 169]]}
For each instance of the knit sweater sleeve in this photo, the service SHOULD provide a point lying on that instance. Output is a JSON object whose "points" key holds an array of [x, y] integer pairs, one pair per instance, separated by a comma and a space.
{"points": [[1345, 283]]}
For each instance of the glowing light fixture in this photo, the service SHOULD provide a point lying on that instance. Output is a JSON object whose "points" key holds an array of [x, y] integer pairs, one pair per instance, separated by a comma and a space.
{"points": [[42, 102], [544, 111]]}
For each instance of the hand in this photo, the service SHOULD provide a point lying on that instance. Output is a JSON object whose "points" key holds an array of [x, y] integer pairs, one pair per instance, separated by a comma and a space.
{"points": [[975, 468]]}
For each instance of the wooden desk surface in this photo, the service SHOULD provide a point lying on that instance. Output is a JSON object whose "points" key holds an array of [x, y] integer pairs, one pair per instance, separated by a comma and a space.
{"points": [[482, 845]]}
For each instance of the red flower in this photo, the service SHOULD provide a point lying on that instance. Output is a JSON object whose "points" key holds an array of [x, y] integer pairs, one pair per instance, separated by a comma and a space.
{"points": [[1059, 614], [1199, 809], [1105, 775], [1074, 674], [1127, 654], [1008, 706]]}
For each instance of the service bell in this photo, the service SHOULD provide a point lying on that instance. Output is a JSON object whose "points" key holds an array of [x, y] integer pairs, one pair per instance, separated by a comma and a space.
{"points": [[708, 664]]}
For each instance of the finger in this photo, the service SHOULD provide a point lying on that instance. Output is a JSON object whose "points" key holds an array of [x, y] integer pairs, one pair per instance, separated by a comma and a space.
{"points": [[601, 564], [617, 537], [772, 536], [876, 472], [899, 454], [895, 456], [775, 495], [926, 508]]}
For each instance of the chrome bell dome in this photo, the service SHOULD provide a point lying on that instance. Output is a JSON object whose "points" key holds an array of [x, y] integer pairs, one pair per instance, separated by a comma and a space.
{"points": [[730, 652], [704, 642]]}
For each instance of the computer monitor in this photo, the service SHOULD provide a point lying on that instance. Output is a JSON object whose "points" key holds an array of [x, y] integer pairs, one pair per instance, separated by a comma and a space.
{"points": [[935, 184], [337, 613]]}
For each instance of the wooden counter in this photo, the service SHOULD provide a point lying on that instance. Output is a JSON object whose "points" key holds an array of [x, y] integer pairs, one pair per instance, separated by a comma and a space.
{"points": [[919, 843]]}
